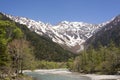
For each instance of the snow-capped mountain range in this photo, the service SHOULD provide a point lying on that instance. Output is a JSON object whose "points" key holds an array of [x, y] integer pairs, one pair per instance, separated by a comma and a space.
{"points": [[70, 35]]}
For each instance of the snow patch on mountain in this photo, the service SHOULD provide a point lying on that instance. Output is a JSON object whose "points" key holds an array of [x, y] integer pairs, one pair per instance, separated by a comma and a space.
{"points": [[70, 34]]}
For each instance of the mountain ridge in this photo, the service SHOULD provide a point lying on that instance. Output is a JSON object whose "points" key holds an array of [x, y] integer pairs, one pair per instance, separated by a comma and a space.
{"points": [[110, 32], [70, 35]]}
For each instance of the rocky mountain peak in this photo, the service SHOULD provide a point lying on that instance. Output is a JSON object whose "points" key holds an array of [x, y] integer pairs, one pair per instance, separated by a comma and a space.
{"points": [[70, 35]]}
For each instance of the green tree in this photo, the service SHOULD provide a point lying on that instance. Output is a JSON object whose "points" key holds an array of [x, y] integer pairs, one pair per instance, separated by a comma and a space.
{"points": [[22, 55], [6, 34]]}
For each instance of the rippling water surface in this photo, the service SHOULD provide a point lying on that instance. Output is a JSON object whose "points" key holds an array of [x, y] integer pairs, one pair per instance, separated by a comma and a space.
{"points": [[48, 76]]}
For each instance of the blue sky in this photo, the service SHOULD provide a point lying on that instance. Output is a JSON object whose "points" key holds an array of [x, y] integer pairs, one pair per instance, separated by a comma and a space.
{"points": [[54, 11]]}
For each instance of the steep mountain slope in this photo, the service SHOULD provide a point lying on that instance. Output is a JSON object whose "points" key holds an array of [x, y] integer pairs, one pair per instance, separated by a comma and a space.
{"points": [[44, 48], [74, 34], [70, 35], [109, 32]]}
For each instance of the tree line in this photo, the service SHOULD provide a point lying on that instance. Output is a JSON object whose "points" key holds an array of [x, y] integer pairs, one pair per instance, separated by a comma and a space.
{"points": [[104, 60]]}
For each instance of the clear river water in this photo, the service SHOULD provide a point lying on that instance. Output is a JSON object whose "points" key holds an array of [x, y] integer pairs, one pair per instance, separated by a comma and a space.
{"points": [[49, 76]]}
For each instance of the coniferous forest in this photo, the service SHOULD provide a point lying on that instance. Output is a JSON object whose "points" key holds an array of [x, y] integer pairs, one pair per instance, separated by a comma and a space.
{"points": [[104, 60]]}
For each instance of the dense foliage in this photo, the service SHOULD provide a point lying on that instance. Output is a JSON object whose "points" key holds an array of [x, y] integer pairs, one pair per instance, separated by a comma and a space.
{"points": [[22, 55], [50, 65], [8, 32], [105, 60], [15, 52]]}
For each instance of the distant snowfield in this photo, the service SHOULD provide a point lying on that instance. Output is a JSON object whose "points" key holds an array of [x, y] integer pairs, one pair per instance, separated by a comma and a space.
{"points": [[67, 72]]}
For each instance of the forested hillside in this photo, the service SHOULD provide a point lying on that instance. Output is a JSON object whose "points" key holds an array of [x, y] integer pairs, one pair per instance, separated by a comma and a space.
{"points": [[110, 32], [44, 48]]}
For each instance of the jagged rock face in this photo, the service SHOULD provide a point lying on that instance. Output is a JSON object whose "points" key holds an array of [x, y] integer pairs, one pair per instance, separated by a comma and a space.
{"points": [[74, 34], [70, 35]]}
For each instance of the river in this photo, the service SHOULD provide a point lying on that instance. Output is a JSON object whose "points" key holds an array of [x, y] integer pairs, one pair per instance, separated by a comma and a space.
{"points": [[55, 75], [64, 74]]}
